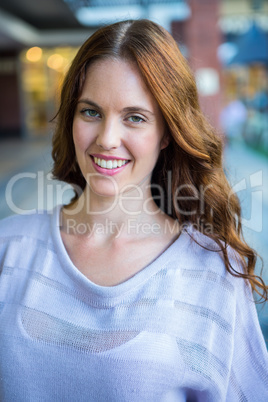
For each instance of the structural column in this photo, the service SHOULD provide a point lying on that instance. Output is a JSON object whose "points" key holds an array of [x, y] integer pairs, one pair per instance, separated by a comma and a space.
{"points": [[202, 37]]}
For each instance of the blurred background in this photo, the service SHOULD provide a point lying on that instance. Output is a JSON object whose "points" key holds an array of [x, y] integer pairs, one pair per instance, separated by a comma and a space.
{"points": [[226, 44]]}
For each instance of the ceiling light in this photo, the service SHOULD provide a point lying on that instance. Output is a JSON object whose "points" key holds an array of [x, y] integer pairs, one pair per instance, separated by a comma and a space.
{"points": [[34, 54]]}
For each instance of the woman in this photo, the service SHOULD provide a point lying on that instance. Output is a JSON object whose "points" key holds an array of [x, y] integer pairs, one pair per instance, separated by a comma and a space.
{"points": [[140, 288]]}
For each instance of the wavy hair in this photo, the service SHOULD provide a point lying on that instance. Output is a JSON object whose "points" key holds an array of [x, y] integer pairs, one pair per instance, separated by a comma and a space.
{"points": [[189, 170]]}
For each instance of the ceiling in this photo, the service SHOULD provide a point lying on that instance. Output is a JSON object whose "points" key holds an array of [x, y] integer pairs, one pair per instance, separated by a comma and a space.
{"points": [[46, 14], [25, 23]]}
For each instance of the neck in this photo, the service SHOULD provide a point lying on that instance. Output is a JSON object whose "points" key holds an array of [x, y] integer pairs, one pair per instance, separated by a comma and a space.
{"points": [[127, 214]]}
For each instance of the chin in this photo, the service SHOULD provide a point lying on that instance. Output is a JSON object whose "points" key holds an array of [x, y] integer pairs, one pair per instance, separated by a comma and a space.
{"points": [[103, 188]]}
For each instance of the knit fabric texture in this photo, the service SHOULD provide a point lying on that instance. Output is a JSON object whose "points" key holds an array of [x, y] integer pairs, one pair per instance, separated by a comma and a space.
{"points": [[181, 329]]}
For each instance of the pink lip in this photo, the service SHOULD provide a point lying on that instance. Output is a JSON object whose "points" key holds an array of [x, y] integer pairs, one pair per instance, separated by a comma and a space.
{"points": [[108, 157], [107, 172]]}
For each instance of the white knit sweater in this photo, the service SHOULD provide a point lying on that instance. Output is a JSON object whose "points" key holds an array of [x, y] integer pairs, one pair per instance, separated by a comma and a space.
{"points": [[182, 329]]}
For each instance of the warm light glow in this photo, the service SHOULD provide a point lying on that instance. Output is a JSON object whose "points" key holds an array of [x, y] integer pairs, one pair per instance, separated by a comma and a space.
{"points": [[55, 61], [34, 54]]}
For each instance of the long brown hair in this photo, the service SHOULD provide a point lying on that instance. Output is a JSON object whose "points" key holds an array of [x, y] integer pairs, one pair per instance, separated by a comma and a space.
{"points": [[191, 165]]}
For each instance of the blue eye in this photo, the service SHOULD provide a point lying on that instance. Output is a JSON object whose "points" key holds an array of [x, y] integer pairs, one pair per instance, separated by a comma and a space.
{"points": [[135, 119], [90, 113]]}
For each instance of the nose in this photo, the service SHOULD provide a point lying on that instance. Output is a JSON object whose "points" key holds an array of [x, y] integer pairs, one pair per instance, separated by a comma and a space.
{"points": [[109, 135]]}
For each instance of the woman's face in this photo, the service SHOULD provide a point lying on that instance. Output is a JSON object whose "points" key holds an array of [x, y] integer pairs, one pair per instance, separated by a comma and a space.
{"points": [[118, 128]]}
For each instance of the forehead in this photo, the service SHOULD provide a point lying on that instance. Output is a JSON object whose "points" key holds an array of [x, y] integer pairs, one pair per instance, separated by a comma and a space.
{"points": [[116, 80]]}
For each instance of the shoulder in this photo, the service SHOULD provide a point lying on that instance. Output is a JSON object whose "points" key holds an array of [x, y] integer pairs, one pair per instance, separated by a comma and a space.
{"points": [[25, 237], [201, 252], [199, 260], [34, 225]]}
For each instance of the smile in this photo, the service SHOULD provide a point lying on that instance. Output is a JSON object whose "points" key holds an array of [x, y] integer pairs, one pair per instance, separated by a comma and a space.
{"points": [[110, 163]]}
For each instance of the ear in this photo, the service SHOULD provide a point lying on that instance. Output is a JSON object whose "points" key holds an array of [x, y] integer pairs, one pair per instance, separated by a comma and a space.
{"points": [[165, 141]]}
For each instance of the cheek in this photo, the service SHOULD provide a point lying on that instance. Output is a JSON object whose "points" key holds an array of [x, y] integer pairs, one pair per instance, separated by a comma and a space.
{"points": [[146, 150], [151, 145], [80, 135]]}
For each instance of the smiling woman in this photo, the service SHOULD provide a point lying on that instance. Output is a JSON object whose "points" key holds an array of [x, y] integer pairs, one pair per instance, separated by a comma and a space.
{"points": [[117, 138], [141, 288]]}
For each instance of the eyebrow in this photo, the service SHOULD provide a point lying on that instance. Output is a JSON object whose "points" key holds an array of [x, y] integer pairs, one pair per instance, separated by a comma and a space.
{"points": [[137, 109], [90, 103], [133, 109]]}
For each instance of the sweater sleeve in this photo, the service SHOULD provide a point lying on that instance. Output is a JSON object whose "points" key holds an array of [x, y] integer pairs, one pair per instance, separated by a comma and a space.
{"points": [[249, 371]]}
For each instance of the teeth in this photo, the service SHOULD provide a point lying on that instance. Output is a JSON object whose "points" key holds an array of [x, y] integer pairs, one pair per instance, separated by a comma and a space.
{"points": [[110, 164]]}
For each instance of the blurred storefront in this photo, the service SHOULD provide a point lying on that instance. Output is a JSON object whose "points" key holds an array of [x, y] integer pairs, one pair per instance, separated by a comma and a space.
{"points": [[41, 75], [30, 82]]}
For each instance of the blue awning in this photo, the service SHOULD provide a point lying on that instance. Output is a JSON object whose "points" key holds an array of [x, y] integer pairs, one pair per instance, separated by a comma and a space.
{"points": [[252, 47]]}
